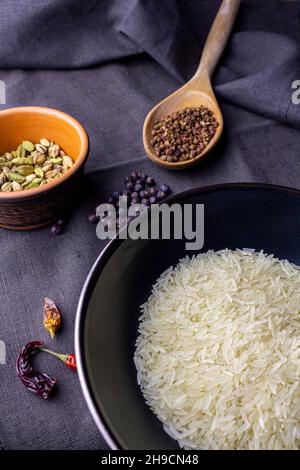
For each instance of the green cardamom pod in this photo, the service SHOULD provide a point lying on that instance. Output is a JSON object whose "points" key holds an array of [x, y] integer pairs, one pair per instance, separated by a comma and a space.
{"points": [[28, 179], [55, 161], [16, 186], [8, 156], [27, 145], [47, 167], [22, 161], [5, 164], [32, 165], [16, 177], [34, 184], [41, 148], [39, 172], [6, 187], [25, 170], [31, 185], [44, 142], [21, 152]]}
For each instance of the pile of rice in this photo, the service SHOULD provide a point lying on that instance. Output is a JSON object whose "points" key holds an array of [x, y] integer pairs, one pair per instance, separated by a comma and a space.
{"points": [[218, 352]]}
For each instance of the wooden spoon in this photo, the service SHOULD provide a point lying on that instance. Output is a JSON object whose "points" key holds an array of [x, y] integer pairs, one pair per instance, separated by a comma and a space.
{"points": [[198, 91]]}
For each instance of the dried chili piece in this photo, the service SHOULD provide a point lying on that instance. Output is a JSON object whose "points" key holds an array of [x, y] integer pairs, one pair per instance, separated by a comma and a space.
{"points": [[52, 317], [71, 362], [68, 359], [36, 382]]}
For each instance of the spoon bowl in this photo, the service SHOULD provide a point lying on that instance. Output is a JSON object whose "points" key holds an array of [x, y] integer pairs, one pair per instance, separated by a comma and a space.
{"points": [[186, 96], [198, 91]]}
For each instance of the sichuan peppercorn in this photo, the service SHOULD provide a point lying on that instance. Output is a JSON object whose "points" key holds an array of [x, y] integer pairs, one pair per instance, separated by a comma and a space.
{"points": [[184, 134]]}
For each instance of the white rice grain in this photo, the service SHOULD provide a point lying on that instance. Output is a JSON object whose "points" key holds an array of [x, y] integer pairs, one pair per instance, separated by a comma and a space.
{"points": [[218, 351]]}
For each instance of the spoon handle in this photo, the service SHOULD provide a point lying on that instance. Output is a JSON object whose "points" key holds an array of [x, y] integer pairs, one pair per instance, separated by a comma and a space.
{"points": [[218, 37]]}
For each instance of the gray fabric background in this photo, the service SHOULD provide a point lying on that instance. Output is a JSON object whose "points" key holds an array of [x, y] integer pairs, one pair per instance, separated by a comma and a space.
{"points": [[107, 62]]}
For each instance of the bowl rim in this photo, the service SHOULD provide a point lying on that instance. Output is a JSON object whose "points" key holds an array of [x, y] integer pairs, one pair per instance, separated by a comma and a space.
{"points": [[81, 159], [111, 438]]}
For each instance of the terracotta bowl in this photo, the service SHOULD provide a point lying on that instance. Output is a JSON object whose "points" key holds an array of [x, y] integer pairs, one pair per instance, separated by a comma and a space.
{"points": [[33, 208]]}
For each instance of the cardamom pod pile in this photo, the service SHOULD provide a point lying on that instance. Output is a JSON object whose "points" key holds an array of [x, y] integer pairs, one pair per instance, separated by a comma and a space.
{"points": [[32, 165]]}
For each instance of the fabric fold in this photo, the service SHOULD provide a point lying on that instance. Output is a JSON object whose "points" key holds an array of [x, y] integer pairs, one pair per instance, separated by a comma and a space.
{"points": [[159, 30], [264, 83]]}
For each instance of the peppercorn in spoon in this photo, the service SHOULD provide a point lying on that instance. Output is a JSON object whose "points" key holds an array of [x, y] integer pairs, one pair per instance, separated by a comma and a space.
{"points": [[181, 129]]}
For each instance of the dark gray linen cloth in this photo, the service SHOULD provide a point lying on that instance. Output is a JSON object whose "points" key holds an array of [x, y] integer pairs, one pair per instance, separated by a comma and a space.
{"points": [[107, 63]]}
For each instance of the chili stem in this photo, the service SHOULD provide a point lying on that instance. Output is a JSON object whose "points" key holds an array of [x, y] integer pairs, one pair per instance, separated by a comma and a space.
{"points": [[62, 357]]}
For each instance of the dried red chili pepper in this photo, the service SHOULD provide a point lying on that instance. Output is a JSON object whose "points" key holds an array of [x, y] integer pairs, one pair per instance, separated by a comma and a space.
{"points": [[68, 359], [71, 362], [36, 382], [52, 317]]}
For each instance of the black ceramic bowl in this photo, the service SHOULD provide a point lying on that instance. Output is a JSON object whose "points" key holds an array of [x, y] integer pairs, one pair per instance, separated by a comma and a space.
{"points": [[236, 216]]}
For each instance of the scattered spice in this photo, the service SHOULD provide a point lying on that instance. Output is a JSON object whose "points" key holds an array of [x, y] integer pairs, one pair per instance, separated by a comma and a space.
{"points": [[52, 317], [184, 134], [59, 227], [32, 165], [139, 189], [36, 382], [68, 359]]}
